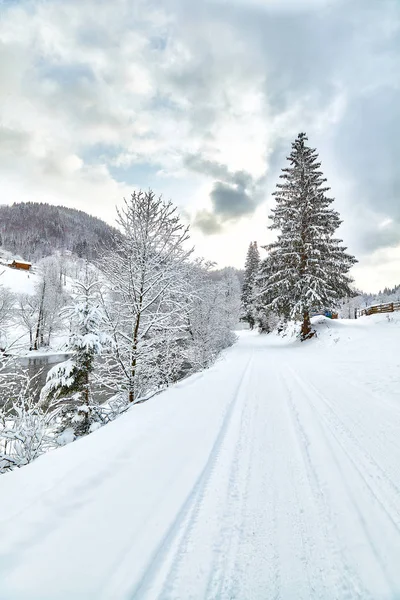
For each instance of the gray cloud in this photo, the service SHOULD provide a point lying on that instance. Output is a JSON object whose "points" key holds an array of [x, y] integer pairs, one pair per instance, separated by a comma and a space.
{"points": [[230, 201], [367, 145], [207, 222], [196, 162], [234, 195], [385, 237], [12, 141]]}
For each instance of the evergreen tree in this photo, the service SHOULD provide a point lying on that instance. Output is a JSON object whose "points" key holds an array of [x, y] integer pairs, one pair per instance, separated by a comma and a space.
{"points": [[307, 267], [68, 384], [266, 317], [250, 273]]}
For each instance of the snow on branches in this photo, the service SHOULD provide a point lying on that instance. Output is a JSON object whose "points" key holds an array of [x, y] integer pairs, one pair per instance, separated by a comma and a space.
{"points": [[248, 290], [25, 431], [147, 291], [307, 267], [69, 385], [211, 315]]}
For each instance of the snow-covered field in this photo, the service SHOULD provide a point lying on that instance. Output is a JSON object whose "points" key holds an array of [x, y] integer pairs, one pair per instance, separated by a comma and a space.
{"points": [[274, 474], [16, 336], [18, 281]]}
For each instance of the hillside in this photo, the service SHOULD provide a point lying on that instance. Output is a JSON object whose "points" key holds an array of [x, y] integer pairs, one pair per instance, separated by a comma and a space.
{"points": [[35, 230], [18, 282], [273, 474]]}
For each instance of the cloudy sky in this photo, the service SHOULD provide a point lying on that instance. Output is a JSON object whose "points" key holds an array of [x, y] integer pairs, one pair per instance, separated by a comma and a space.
{"points": [[200, 100]]}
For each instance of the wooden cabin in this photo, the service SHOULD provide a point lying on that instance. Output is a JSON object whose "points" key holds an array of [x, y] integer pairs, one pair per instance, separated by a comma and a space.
{"points": [[20, 264]]}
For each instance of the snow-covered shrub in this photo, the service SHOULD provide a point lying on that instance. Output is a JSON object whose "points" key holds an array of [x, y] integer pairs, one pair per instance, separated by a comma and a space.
{"points": [[268, 321], [25, 427]]}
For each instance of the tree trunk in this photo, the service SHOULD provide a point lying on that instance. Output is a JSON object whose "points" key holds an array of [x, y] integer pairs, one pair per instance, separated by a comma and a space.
{"points": [[39, 331], [134, 358], [135, 343], [306, 331], [86, 386], [37, 336]]}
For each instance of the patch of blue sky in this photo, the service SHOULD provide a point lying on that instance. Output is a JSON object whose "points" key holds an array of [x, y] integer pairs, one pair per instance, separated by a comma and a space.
{"points": [[100, 153], [65, 74], [161, 102], [12, 3], [158, 42], [5, 5], [143, 175], [134, 173]]}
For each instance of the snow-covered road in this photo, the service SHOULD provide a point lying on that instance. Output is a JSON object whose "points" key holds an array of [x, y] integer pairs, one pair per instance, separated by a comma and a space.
{"points": [[275, 474]]}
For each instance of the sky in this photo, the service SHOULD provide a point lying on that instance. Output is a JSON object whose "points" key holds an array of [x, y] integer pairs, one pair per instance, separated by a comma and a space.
{"points": [[200, 100]]}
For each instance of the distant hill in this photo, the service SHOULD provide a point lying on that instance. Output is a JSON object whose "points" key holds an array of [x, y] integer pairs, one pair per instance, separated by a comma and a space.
{"points": [[35, 230]]}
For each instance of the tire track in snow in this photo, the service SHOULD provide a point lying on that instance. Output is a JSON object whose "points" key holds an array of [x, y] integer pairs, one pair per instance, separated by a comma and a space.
{"points": [[225, 570], [258, 567], [366, 425], [171, 549], [350, 586], [331, 436], [337, 425]]}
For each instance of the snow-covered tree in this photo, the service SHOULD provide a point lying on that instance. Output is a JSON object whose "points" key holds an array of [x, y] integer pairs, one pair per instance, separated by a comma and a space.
{"points": [[210, 315], [50, 298], [25, 426], [230, 300], [266, 316], [7, 301], [147, 290], [69, 384], [27, 314], [250, 273], [307, 267]]}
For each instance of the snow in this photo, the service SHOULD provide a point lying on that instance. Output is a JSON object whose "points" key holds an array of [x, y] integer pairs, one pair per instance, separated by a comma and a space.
{"points": [[19, 282], [274, 474]]}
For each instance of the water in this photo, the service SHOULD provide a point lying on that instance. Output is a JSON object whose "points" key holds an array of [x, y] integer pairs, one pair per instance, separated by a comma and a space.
{"points": [[39, 366]]}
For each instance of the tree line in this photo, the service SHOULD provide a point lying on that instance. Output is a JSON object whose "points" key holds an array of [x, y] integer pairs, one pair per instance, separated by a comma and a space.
{"points": [[37, 230]]}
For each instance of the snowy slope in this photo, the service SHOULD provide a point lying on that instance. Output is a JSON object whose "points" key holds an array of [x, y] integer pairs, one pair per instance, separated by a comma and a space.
{"points": [[275, 474], [19, 282]]}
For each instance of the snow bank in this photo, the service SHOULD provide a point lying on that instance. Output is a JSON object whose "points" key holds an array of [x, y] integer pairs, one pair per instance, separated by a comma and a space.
{"points": [[367, 330]]}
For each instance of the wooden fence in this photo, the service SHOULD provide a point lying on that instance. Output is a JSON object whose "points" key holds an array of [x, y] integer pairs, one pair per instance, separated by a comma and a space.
{"points": [[380, 308]]}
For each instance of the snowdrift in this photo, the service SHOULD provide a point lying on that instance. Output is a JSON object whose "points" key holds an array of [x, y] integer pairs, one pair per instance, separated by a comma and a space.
{"points": [[363, 334]]}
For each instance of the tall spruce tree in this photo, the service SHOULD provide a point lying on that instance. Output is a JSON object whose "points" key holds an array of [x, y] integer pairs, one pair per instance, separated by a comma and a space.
{"points": [[307, 267], [250, 273]]}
